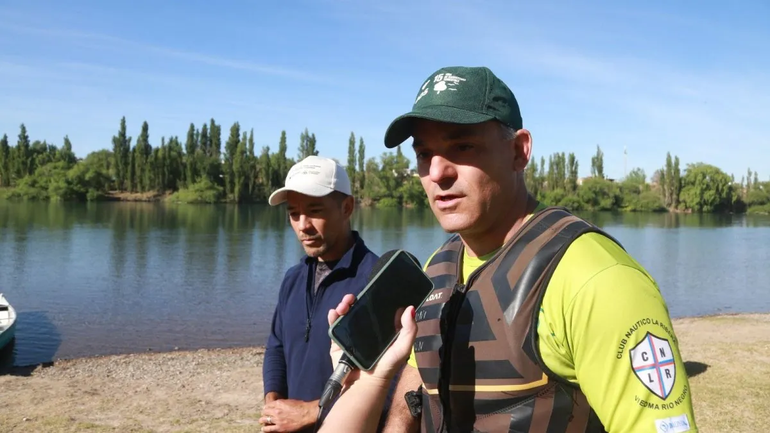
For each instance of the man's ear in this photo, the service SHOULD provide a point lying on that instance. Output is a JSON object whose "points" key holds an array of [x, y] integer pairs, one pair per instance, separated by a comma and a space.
{"points": [[347, 206], [522, 146]]}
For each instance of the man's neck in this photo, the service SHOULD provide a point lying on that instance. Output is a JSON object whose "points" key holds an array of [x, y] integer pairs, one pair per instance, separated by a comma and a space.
{"points": [[340, 249], [504, 229]]}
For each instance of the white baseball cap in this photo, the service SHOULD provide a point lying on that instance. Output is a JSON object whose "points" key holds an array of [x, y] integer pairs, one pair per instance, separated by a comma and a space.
{"points": [[315, 176]]}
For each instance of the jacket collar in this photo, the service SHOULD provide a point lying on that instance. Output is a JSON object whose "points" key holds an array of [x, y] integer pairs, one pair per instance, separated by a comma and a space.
{"points": [[351, 257]]}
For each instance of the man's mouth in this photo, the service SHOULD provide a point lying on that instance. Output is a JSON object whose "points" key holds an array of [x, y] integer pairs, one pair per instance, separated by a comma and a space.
{"points": [[446, 197], [447, 201]]}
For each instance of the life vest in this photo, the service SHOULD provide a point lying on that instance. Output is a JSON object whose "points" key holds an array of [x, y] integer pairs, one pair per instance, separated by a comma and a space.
{"points": [[476, 344]]}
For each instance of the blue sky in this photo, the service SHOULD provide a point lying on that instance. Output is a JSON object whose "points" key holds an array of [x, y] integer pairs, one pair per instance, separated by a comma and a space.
{"points": [[653, 76]]}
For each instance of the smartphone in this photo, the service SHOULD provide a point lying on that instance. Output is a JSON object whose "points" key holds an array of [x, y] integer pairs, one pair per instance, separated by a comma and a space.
{"points": [[371, 323]]}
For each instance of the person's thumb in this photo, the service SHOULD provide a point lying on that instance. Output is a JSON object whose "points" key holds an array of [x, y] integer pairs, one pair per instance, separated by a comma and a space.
{"points": [[331, 316], [408, 332]]}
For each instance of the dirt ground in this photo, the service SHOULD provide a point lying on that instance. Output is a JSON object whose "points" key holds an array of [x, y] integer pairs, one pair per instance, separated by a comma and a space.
{"points": [[727, 357], [200, 391]]}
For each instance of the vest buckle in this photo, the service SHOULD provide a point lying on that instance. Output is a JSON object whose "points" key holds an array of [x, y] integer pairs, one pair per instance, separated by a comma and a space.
{"points": [[414, 402]]}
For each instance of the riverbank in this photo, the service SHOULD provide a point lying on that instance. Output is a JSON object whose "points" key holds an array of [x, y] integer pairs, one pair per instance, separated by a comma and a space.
{"points": [[208, 193], [727, 358]]}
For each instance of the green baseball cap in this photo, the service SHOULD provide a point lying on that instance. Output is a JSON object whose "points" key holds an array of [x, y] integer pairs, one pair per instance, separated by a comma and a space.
{"points": [[458, 94]]}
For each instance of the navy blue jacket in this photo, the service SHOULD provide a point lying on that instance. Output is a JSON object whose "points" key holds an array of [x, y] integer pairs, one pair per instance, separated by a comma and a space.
{"points": [[295, 366]]}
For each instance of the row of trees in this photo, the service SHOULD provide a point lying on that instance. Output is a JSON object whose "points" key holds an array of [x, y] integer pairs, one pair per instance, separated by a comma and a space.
{"points": [[703, 188], [201, 170]]}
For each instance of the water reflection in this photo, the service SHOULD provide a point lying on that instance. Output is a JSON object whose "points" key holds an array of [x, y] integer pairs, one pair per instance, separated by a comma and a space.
{"points": [[667, 220], [122, 277]]}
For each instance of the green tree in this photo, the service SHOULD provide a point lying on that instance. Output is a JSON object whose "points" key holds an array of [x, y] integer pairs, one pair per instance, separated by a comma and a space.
{"points": [[543, 173], [311, 145], [373, 188], [279, 163], [252, 166], [394, 171], [215, 136], [204, 141], [190, 147], [5, 162], [597, 163], [66, 154], [266, 172], [24, 159], [599, 194], [572, 177], [131, 175], [121, 148], [307, 145], [240, 169], [758, 196], [361, 172], [143, 168], [706, 188], [351, 166], [413, 193], [174, 164], [668, 177], [676, 183], [636, 179], [231, 147], [531, 178], [748, 181]]}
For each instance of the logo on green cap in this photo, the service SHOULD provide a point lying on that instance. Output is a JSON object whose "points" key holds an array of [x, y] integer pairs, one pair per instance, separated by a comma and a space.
{"points": [[443, 81]]}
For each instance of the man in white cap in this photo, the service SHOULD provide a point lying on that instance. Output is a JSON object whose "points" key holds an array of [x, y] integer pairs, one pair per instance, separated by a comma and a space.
{"points": [[296, 367]]}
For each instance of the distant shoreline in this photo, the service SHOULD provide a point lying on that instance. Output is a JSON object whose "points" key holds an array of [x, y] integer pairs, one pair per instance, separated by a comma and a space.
{"points": [[174, 198]]}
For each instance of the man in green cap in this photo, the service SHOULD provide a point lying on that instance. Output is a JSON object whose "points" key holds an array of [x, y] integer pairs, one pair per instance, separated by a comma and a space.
{"points": [[539, 320]]}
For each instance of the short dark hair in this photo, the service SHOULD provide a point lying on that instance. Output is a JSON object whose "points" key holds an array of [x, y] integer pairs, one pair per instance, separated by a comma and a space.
{"points": [[338, 196]]}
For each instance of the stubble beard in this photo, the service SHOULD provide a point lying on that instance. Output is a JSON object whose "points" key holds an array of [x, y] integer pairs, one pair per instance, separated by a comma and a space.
{"points": [[316, 252]]}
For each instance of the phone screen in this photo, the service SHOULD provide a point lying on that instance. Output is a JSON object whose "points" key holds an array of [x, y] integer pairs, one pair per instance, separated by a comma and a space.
{"points": [[370, 325]]}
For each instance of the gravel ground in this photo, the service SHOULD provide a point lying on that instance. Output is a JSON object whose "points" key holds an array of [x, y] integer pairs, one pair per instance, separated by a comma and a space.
{"points": [[727, 357], [205, 390]]}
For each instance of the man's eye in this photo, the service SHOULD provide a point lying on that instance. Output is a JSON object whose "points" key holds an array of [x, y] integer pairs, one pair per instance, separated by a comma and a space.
{"points": [[465, 147]]}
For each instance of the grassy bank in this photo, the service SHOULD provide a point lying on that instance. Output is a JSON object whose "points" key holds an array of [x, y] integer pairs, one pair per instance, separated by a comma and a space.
{"points": [[727, 359]]}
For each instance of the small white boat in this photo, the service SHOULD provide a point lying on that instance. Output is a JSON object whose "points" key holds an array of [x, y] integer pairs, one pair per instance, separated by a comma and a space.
{"points": [[7, 322]]}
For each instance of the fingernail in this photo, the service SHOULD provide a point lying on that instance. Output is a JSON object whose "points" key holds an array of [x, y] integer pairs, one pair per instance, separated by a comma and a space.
{"points": [[414, 312]]}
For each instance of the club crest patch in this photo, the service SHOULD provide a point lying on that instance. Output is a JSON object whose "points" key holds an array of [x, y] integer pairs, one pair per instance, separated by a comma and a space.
{"points": [[653, 363]]}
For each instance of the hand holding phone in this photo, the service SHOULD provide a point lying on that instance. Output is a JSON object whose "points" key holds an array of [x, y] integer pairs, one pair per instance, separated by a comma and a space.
{"points": [[373, 321], [394, 356]]}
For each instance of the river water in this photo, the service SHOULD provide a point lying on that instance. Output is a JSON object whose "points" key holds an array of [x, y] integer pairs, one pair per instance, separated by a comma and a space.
{"points": [[105, 278]]}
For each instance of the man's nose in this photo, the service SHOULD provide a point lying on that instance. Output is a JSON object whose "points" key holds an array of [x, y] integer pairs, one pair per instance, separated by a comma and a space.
{"points": [[304, 222], [441, 169]]}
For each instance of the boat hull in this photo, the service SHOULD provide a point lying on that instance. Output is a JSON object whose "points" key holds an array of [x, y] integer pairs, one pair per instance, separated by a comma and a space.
{"points": [[7, 322]]}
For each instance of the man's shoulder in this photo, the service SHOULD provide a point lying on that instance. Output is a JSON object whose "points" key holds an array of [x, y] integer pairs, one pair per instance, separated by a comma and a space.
{"points": [[593, 252], [293, 274], [369, 258], [363, 262], [296, 269], [592, 257], [595, 265]]}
